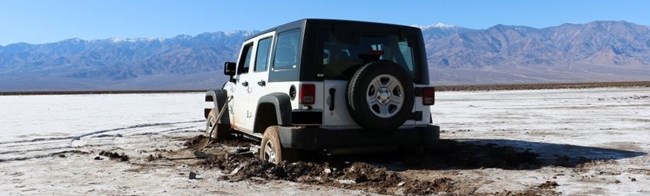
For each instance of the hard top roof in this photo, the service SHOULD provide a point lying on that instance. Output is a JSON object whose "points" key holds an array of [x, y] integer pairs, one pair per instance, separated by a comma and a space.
{"points": [[304, 22]]}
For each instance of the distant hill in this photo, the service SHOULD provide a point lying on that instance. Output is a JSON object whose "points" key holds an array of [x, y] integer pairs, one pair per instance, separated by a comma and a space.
{"points": [[596, 51], [181, 62]]}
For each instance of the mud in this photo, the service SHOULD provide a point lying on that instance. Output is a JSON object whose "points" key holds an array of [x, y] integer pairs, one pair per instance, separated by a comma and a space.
{"points": [[152, 157], [548, 185], [233, 140], [114, 156], [377, 172], [450, 154], [357, 175], [192, 142]]}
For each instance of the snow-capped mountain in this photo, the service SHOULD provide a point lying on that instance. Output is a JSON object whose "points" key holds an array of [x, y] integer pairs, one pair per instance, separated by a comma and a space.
{"points": [[437, 26], [118, 63], [596, 51]]}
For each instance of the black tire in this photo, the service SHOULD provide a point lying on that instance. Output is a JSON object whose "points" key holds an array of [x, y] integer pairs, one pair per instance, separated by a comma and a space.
{"points": [[271, 149], [358, 97], [221, 131]]}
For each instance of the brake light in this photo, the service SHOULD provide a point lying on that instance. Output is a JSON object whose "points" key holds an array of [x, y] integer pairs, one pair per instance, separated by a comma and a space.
{"points": [[307, 93], [428, 96]]}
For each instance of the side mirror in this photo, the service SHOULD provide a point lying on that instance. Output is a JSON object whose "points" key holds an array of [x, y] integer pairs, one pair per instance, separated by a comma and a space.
{"points": [[229, 68]]}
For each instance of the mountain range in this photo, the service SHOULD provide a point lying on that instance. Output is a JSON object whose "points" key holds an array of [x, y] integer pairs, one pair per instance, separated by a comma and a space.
{"points": [[595, 51]]}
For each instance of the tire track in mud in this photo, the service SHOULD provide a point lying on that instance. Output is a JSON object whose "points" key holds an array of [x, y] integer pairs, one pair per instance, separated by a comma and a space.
{"points": [[60, 153], [47, 147], [98, 132], [134, 127], [43, 149]]}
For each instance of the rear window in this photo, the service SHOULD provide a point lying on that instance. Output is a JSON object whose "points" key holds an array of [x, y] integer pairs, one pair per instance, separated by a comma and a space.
{"points": [[344, 52], [286, 51]]}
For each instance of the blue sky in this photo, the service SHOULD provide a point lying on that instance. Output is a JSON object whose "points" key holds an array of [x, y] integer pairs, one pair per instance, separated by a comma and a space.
{"points": [[44, 21]]}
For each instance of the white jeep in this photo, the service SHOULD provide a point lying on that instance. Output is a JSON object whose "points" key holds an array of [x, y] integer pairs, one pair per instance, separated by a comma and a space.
{"points": [[318, 84]]}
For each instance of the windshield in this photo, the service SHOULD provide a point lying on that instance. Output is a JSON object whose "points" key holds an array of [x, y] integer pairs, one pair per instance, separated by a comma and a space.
{"points": [[343, 53]]}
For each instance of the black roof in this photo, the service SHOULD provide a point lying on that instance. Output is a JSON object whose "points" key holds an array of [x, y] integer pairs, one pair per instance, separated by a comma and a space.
{"points": [[304, 22]]}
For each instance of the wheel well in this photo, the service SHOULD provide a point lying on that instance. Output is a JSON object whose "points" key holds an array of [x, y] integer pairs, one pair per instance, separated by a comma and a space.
{"points": [[206, 112], [265, 117], [218, 98]]}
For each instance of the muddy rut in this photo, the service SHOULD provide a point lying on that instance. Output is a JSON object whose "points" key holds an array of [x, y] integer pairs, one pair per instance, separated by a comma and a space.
{"points": [[375, 172]]}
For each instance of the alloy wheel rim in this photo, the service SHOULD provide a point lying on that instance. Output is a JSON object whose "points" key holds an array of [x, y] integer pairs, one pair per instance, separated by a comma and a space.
{"points": [[269, 153], [385, 96]]}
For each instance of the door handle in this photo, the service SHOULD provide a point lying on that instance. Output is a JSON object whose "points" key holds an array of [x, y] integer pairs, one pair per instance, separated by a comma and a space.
{"points": [[332, 98], [261, 83], [245, 83]]}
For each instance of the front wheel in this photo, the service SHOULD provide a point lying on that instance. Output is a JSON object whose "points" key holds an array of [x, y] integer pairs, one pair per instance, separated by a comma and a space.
{"points": [[220, 131]]}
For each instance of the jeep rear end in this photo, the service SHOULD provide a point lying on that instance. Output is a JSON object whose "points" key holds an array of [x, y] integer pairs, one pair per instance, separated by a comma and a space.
{"points": [[332, 52]]}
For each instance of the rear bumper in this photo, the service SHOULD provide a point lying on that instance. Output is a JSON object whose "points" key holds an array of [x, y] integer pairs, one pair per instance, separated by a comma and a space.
{"points": [[318, 138]]}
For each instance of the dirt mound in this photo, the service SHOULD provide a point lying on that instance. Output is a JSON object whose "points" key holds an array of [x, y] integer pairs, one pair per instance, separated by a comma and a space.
{"points": [[546, 188], [114, 156], [548, 185], [231, 140], [369, 171], [447, 154], [238, 141], [192, 142], [151, 157], [357, 175]]}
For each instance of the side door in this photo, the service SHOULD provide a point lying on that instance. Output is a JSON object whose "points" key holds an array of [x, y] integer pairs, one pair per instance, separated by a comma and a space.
{"points": [[258, 76], [242, 88]]}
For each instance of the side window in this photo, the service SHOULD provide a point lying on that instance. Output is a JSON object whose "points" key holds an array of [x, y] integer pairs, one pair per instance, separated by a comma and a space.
{"points": [[245, 61], [407, 53], [286, 50], [262, 55]]}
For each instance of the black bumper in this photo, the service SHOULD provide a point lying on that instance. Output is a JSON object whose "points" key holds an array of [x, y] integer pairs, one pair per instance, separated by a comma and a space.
{"points": [[318, 138]]}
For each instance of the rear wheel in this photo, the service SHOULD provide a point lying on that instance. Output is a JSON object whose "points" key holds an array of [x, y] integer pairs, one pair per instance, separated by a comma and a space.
{"points": [[220, 132], [271, 149]]}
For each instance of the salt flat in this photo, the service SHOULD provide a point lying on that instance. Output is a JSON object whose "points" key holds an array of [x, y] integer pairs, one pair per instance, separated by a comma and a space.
{"points": [[592, 141], [600, 123]]}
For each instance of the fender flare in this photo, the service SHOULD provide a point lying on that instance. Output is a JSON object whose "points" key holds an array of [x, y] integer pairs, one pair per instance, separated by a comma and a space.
{"points": [[282, 104], [219, 97]]}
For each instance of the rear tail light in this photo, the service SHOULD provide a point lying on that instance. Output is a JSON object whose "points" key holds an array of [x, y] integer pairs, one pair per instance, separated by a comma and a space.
{"points": [[307, 93], [428, 96]]}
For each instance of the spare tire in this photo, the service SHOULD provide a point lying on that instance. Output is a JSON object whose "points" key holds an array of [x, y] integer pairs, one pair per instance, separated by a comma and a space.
{"points": [[380, 96]]}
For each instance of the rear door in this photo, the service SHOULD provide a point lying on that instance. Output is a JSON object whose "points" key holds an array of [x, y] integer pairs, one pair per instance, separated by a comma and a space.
{"points": [[337, 59], [345, 50], [258, 76]]}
